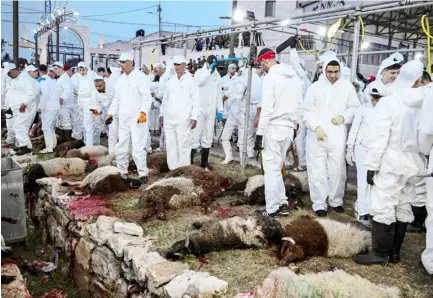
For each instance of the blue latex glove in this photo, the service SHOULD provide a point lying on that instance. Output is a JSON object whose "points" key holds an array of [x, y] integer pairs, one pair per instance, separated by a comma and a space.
{"points": [[220, 116], [212, 66]]}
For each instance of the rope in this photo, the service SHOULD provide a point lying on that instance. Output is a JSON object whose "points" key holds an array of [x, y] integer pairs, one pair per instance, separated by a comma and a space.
{"points": [[425, 25], [362, 27]]}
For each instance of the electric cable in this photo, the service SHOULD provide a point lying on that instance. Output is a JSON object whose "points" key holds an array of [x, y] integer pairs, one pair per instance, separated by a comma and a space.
{"points": [[123, 12], [425, 25]]}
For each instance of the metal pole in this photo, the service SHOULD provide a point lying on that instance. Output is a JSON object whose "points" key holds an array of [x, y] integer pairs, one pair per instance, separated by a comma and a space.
{"points": [[354, 63], [15, 33], [247, 119], [233, 35], [140, 61], [36, 51], [58, 41]]}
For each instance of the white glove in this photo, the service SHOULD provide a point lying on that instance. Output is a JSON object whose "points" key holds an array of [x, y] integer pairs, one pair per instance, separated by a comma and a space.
{"points": [[320, 134], [350, 156], [337, 120]]}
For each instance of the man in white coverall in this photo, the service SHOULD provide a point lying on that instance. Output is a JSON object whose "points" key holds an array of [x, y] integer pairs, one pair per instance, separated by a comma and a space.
{"points": [[6, 81], [225, 87], [390, 70], [210, 98], [425, 129], [281, 94], [169, 73], [393, 163], [131, 102], [330, 104], [67, 101], [101, 98], [21, 99], [49, 107], [91, 122], [113, 128], [179, 113], [77, 120]]}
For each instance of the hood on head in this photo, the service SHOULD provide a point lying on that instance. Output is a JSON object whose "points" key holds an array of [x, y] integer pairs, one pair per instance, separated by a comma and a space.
{"points": [[283, 69], [409, 73], [325, 64]]}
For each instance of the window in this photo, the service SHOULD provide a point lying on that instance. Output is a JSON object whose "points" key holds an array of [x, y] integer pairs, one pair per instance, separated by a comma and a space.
{"points": [[307, 41], [270, 8]]}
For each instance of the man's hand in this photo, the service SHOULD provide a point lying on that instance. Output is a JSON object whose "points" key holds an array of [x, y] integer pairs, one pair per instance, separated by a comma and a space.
{"points": [[225, 97], [320, 134], [23, 108], [337, 120], [109, 119], [212, 67], [161, 121], [142, 118], [370, 175], [9, 112], [153, 94], [256, 120], [258, 144], [220, 116], [61, 101], [193, 124], [95, 112], [76, 92]]}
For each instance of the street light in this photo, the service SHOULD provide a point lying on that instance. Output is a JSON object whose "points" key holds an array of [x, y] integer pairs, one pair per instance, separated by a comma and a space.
{"points": [[365, 45], [334, 28], [322, 31], [285, 22], [418, 56]]}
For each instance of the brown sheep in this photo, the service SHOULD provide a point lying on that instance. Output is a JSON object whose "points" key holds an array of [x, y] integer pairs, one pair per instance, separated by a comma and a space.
{"points": [[158, 162], [62, 149]]}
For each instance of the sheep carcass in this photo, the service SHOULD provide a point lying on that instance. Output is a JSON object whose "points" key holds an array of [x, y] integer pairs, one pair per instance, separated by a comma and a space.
{"points": [[62, 149], [233, 233]]}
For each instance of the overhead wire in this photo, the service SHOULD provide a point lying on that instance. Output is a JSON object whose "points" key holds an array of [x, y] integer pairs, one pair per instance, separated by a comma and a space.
{"points": [[123, 12], [30, 9]]}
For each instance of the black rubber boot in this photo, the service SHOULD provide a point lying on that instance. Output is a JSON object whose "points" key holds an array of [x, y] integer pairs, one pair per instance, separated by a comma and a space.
{"points": [[24, 150], [67, 133], [417, 226], [382, 239], [193, 153], [400, 232], [204, 163]]}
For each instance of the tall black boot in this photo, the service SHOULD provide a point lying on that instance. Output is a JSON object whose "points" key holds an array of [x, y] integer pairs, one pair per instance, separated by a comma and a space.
{"points": [[417, 226], [204, 163], [400, 231], [68, 134], [193, 152], [23, 150], [382, 239]]}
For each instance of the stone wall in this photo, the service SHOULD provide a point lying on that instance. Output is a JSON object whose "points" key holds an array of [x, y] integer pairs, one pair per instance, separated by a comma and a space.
{"points": [[110, 257]]}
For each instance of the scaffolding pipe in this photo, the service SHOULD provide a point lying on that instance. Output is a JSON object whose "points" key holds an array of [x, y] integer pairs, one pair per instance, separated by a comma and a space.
{"points": [[140, 57], [247, 119], [354, 64]]}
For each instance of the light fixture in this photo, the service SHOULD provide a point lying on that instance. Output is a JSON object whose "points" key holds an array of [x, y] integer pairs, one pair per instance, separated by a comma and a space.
{"points": [[66, 28], [418, 56], [238, 15], [365, 45], [334, 28], [322, 31], [285, 22]]}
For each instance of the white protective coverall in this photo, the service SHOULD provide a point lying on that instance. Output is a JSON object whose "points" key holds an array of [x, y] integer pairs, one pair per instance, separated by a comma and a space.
{"points": [[66, 92], [132, 96], [281, 96], [179, 106], [210, 100], [425, 129], [226, 82], [77, 120], [357, 143], [49, 106], [154, 119], [91, 123], [98, 102], [326, 163], [169, 72], [393, 151], [22, 90], [301, 134], [399, 59], [113, 128], [6, 82], [236, 117]]}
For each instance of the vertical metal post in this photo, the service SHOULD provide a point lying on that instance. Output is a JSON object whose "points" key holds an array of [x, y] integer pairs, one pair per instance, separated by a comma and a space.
{"points": [[140, 61], [58, 41], [247, 119], [15, 33], [354, 63], [36, 51], [233, 35]]}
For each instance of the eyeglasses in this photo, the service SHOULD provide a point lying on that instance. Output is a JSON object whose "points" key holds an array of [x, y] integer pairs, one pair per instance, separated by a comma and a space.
{"points": [[176, 64]]}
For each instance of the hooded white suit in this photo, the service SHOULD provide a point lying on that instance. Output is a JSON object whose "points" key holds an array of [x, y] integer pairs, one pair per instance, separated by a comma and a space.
{"points": [[113, 128], [66, 92], [6, 82], [49, 106], [326, 162], [393, 151], [91, 123], [281, 96]]}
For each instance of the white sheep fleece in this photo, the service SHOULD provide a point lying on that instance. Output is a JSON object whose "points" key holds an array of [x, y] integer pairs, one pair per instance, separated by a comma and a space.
{"points": [[185, 185], [99, 174], [94, 151], [253, 183], [245, 228], [303, 178], [345, 240], [64, 166], [284, 283]]}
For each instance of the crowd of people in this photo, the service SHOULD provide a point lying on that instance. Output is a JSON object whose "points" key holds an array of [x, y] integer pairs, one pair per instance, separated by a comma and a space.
{"points": [[389, 140]]}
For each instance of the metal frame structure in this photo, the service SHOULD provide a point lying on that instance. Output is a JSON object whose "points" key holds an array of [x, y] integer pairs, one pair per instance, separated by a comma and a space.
{"points": [[381, 14]]}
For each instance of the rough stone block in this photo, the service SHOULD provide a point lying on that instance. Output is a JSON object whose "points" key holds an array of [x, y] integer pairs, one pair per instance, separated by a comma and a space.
{"points": [[128, 272], [105, 265], [128, 228], [196, 284], [161, 273], [52, 228], [78, 228], [83, 253], [60, 215], [98, 289], [60, 237], [118, 242], [141, 262], [136, 250], [120, 289], [105, 223], [82, 277], [100, 236]]}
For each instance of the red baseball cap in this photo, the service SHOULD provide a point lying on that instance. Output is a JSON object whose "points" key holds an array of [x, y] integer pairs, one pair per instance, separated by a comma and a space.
{"points": [[265, 54]]}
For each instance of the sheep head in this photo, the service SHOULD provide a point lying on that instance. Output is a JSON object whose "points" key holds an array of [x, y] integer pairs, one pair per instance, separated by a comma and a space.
{"points": [[290, 252]]}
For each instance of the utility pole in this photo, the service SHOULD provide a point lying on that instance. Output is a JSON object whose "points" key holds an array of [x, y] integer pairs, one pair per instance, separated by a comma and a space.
{"points": [[233, 35], [159, 19], [15, 32], [58, 41]]}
